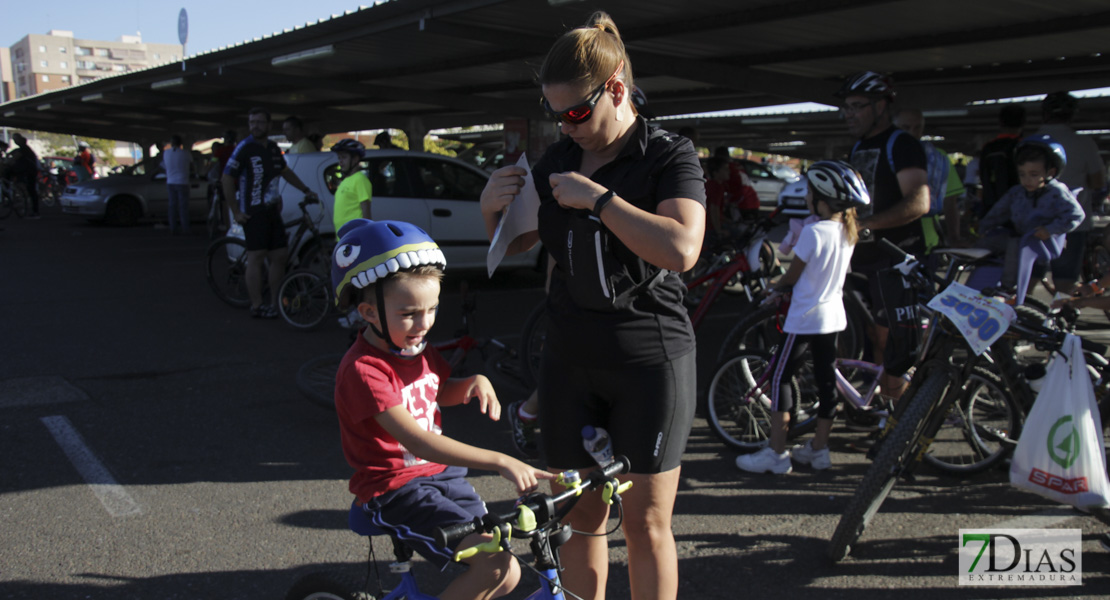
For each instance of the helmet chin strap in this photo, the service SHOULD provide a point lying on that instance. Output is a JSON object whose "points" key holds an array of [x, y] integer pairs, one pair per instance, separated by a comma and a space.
{"points": [[384, 332]]}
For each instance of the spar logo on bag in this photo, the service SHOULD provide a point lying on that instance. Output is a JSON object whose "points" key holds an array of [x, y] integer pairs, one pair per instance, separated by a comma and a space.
{"points": [[1021, 557], [1063, 448]]}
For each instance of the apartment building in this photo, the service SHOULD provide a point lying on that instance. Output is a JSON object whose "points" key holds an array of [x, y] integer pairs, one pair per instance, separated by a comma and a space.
{"points": [[40, 63], [7, 87]]}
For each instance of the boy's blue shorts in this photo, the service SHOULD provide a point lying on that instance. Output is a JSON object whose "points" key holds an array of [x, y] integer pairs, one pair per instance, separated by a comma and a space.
{"points": [[412, 512]]}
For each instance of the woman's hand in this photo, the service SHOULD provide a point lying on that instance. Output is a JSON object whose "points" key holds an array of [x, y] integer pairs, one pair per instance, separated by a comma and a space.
{"points": [[1041, 233], [575, 190], [503, 185]]}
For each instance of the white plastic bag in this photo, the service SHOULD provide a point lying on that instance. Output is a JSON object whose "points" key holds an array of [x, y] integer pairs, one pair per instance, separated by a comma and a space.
{"points": [[1060, 454]]}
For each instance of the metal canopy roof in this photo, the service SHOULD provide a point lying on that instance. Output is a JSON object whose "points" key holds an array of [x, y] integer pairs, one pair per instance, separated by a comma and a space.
{"points": [[426, 64]]}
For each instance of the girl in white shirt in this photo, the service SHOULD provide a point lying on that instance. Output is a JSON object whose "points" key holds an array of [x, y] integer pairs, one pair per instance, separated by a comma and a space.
{"points": [[822, 253]]}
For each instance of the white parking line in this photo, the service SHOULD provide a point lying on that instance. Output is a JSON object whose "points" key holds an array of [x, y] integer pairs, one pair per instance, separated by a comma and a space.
{"points": [[112, 495]]}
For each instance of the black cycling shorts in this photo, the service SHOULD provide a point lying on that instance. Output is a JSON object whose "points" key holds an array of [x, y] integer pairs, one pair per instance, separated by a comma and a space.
{"points": [[647, 410], [265, 230]]}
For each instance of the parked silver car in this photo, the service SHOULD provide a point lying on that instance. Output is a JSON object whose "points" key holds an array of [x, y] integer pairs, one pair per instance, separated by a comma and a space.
{"points": [[135, 193], [438, 193]]}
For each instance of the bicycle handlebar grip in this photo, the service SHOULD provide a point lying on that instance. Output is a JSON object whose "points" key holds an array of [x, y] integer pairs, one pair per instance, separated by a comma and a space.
{"points": [[619, 466], [445, 535]]}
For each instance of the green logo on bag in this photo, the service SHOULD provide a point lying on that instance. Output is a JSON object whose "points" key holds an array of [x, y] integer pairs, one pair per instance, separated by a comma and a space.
{"points": [[1063, 449]]}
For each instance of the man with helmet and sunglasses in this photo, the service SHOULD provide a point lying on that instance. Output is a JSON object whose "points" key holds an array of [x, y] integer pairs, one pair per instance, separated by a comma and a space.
{"points": [[893, 165], [1085, 170], [410, 478], [352, 197]]}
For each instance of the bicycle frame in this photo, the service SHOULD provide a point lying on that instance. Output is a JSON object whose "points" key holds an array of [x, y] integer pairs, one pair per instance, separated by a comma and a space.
{"points": [[843, 386], [724, 274], [720, 277]]}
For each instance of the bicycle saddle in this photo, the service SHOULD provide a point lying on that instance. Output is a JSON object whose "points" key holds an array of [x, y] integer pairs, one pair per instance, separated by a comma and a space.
{"points": [[359, 521], [967, 253]]}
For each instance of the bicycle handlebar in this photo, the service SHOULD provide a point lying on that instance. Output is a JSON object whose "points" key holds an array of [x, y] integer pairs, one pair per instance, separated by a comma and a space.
{"points": [[1032, 330], [540, 504]]}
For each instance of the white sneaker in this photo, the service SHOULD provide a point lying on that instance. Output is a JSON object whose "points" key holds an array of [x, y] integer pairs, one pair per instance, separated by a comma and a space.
{"points": [[765, 461], [806, 455]]}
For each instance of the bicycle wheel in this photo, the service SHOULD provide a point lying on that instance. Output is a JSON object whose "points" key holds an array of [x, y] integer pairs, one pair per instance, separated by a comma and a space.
{"points": [[226, 263], [973, 436], [5, 200], [304, 299], [214, 222], [316, 379], [894, 454], [760, 330], [316, 254], [531, 343], [738, 402], [21, 203], [326, 586]]}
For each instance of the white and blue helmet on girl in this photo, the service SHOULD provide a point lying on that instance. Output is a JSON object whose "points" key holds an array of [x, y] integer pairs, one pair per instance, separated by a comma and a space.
{"points": [[838, 184]]}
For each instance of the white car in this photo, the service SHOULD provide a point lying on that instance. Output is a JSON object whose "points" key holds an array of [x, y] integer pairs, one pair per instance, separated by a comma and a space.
{"points": [[792, 199], [437, 193], [766, 184]]}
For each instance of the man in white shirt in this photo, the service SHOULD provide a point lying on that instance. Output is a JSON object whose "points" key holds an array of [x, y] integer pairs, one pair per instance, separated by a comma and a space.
{"points": [[176, 162]]}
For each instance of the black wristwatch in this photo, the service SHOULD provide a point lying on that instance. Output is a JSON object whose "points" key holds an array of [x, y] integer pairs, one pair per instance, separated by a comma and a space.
{"points": [[601, 202]]}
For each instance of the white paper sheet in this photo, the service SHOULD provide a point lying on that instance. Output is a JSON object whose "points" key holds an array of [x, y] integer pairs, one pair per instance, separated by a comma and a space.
{"points": [[521, 216]]}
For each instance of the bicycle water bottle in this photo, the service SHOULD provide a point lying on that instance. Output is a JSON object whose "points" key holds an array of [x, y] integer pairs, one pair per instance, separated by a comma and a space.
{"points": [[597, 443]]}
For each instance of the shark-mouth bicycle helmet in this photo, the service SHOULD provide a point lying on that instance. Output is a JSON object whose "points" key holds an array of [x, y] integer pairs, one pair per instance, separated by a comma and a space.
{"points": [[369, 252]]}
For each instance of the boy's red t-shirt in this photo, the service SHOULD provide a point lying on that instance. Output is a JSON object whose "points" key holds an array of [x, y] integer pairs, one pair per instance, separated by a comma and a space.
{"points": [[370, 381]]}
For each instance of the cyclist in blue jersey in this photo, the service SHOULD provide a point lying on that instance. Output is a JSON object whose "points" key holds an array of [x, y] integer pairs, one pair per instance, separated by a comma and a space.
{"points": [[253, 170]]}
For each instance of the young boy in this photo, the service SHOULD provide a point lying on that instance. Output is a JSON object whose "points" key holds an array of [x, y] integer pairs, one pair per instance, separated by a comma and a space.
{"points": [[1040, 208], [388, 391]]}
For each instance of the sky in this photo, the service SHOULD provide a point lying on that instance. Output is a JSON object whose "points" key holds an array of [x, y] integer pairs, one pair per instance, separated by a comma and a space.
{"points": [[212, 23]]}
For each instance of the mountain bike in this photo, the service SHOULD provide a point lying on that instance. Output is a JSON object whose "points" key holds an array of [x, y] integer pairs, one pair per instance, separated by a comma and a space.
{"points": [[226, 258], [951, 362], [13, 199], [537, 517]]}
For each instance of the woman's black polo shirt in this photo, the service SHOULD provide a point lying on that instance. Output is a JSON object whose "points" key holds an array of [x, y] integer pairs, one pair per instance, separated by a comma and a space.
{"points": [[653, 166]]}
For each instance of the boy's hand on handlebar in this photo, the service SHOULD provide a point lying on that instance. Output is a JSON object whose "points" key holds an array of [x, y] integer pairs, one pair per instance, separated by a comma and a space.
{"points": [[524, 476], [479, 388], [503, 185]]}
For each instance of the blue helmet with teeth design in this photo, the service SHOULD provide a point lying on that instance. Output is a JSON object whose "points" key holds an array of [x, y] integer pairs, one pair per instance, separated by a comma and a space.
{"points": [[371, 251]]}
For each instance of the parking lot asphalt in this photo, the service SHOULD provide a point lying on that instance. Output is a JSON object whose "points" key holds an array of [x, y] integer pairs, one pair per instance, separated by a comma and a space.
{"points": [[154, 445]]}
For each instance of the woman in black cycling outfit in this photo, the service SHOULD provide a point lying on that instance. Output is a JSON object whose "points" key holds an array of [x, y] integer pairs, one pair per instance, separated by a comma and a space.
{"points": [[622, 211]]}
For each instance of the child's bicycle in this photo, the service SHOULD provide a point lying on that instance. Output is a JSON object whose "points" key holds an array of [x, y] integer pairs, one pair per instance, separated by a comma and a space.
{"points": [[738, 398], [537, 517]]}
